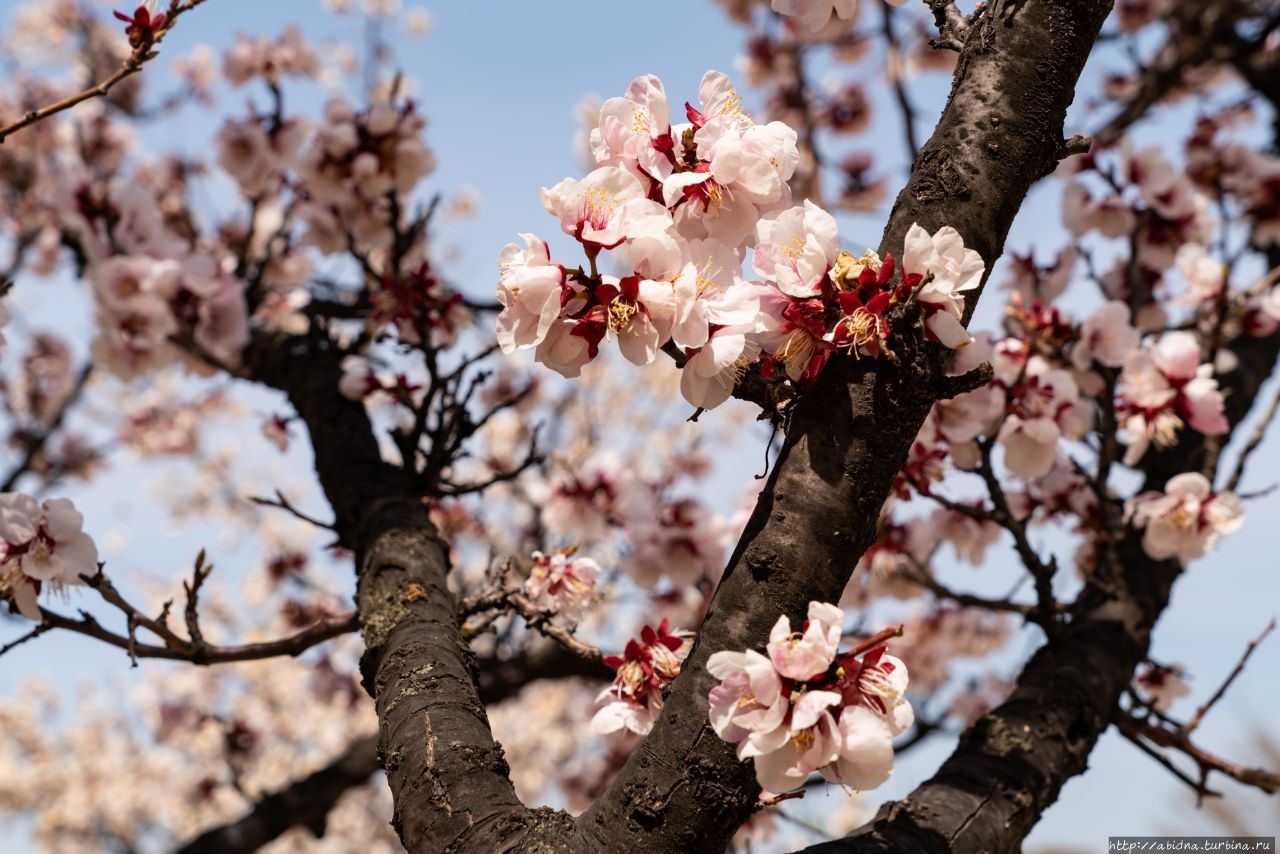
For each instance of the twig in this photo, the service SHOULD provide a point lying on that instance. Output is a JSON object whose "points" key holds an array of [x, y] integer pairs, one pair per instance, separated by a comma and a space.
{"points": [[1231, 677], [953, 27], [899, 83], [38, 442], [878, 638], [284, 504], [141, 55], [1254, 442], [540, 620], [1179, 739], [31, 635], [937, 588], [291, 645]]}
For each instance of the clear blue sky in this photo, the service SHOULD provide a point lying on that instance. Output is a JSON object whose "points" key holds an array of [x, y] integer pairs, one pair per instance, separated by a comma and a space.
{"points": [[499, 83]]}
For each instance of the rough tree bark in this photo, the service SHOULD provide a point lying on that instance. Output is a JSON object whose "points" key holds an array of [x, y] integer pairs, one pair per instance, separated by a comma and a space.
{"points": [[683, 789]]}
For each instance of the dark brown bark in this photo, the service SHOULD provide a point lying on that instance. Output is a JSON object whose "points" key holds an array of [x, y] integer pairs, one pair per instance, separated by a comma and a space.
{"points": [[683, 789]]}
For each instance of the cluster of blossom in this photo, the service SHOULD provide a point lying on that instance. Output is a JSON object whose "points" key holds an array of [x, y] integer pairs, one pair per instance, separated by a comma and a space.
{"points": [[682, 204], [1186, 519], [562, 582], [1163, 387], [41, 545], [144, 302], [806, 707], [634, 700], [270, 60]]}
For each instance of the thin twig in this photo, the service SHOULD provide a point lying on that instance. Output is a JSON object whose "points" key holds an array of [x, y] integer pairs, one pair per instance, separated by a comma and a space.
{"points": [[284, 504], [31, 635], [1231, 677], [141, 55], [1254, 442], [39, 441]]}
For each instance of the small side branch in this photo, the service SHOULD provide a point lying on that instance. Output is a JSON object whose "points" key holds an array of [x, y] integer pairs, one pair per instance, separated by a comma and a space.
{"points": [[142, 54], [953, 26]]}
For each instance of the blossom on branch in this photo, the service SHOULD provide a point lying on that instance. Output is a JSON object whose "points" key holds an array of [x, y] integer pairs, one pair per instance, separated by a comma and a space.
{"points": [[807, 708], [1186, 519], [634, 700], [41, 544]]}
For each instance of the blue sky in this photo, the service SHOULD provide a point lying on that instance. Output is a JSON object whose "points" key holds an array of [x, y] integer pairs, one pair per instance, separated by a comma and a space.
{"points": [[499, 83]]}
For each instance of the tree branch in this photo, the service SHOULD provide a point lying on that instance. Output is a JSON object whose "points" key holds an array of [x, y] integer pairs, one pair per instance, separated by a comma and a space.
{"points": [[683, 788]]}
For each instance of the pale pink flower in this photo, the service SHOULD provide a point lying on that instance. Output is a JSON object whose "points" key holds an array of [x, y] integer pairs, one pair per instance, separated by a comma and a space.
{"points": [[811, 16], [810, 742], [1110, 215], [1161, 685], [1045, 408], [1186, 519], [636, 129], [796, 248], [562, 351], [1205, 277], [41, 544], [749, 699], [634, 700], [358, 379], [947, 271], [530, 287], [802, 656], [1106, 337], [709, 377], [275, 428], [605, 208], [562, 583]]}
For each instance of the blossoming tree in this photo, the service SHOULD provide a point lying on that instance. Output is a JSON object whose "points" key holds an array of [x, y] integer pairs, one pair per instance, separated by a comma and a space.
{"points": [[522, 592]]}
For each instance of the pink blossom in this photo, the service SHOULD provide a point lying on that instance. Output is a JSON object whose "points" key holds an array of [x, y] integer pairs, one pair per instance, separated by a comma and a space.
{"points": [[1110, 216], [41, 544], [803, 656], [634, 700], [749, 700], [709, 377], [1106, 337], [605, 208], [562, 582], [358, 378], [276, 430], [635, 129], [796, 248], [946, 270], [1186, 519], [812, 15], [530, 288], [810, 742], [1161, 685], [1045, 407], [1205, 277]]}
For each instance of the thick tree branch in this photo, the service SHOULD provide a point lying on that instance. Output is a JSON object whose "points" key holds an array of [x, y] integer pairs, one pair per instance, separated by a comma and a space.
{"points": [[683, 789], [448, 777]]}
